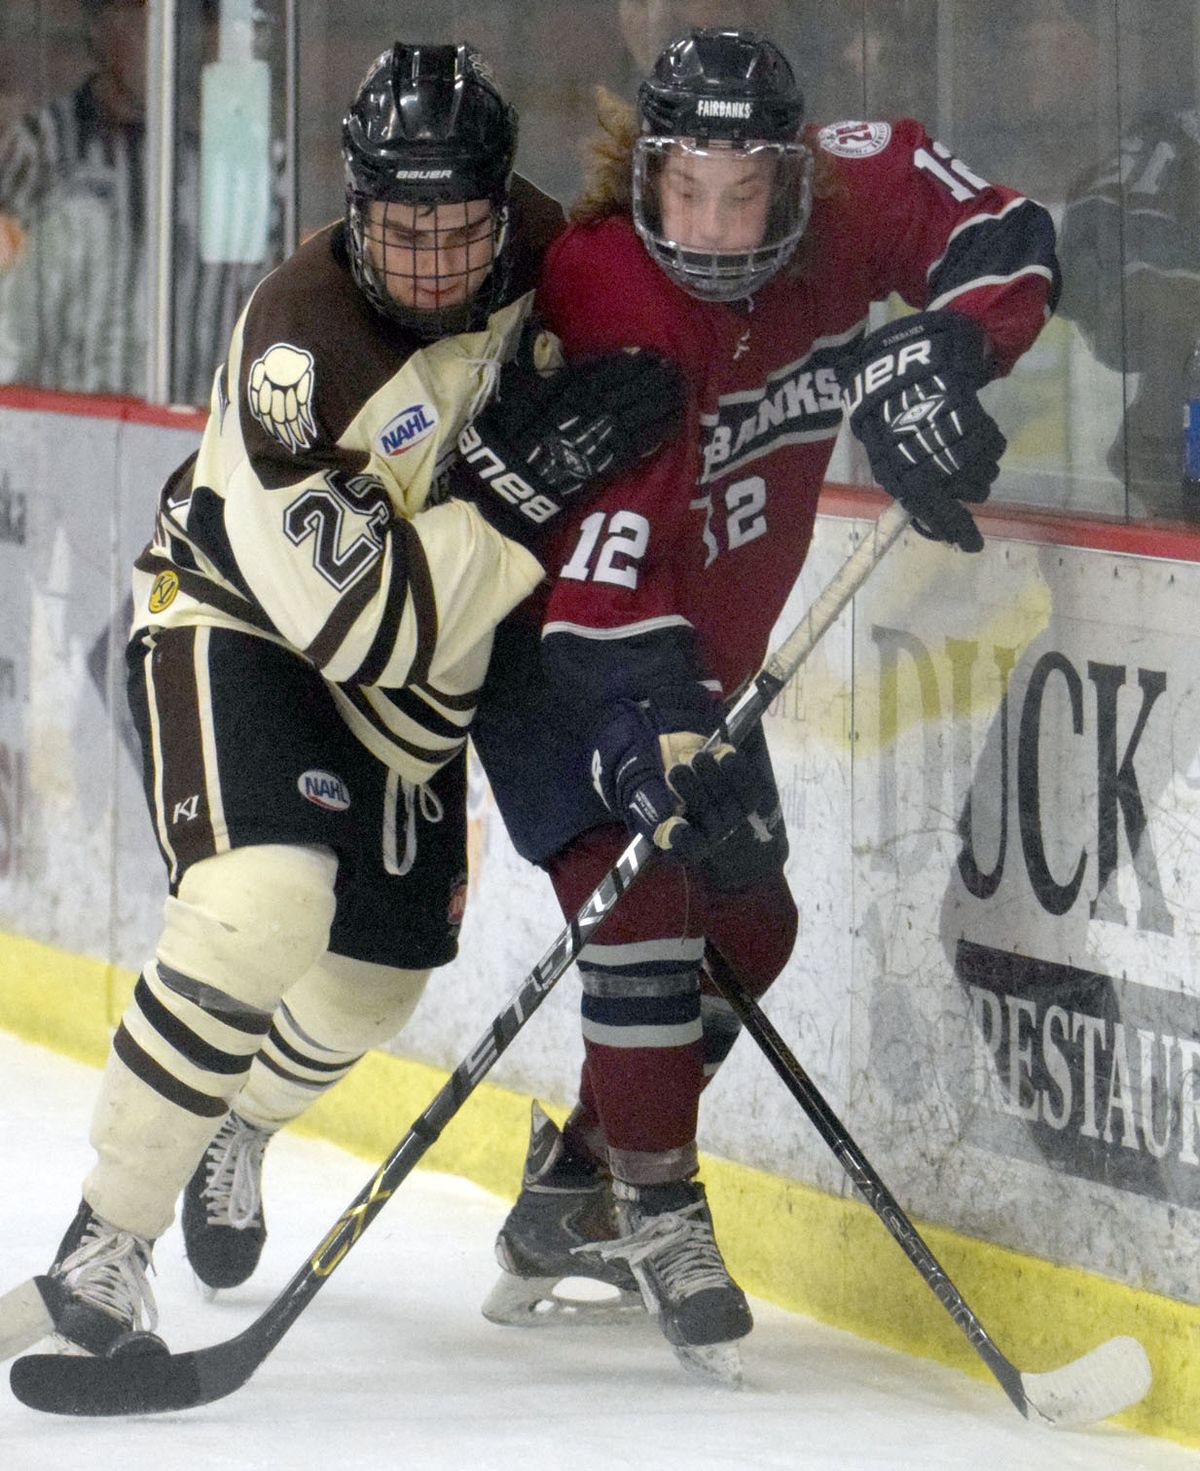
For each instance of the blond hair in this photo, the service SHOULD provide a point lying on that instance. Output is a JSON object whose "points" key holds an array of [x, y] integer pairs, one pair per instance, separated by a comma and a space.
{"points": [[608, 183]]}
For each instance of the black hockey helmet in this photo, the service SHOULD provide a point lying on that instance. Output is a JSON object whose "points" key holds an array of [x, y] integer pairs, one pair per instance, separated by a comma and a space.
{"points": [[428, 127], [731, 85], [712, 90]]}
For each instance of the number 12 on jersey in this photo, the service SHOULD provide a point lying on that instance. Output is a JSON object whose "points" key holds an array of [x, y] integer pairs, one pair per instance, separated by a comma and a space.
{"points": [[950, 171], [609, 549], [611, 544]]}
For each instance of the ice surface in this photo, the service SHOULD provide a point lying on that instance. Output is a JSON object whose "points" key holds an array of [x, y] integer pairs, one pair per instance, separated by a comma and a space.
{"points": [[392, 1366]]}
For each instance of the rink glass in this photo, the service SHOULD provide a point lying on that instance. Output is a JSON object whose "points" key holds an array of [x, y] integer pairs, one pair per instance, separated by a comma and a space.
{"points": [[1025, 93]]}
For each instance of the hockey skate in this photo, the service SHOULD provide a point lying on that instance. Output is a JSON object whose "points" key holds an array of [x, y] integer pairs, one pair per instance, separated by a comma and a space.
{"points": [[564, 1208], [224, 1229], [95, 1299], [667, 1239]]}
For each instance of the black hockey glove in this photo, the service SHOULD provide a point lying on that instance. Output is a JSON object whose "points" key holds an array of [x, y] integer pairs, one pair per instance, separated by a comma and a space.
{"points": [[757, 849], [912, 400], [545, 439], [650, 772]]}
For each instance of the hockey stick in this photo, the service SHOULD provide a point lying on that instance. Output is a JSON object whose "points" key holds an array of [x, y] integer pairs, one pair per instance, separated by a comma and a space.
{"points": [[146, 1383], [1109, 1378]]}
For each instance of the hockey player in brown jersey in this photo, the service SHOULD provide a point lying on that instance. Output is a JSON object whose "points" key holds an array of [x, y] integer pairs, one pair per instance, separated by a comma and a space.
{"points": [[388, 441]]}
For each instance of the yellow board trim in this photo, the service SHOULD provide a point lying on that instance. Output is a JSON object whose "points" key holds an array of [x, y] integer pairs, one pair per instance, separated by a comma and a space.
{"points": [[811, 1253]]}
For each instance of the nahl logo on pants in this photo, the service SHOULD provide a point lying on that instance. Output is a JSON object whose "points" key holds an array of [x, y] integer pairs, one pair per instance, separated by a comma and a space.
{"points": [[323, 789]]}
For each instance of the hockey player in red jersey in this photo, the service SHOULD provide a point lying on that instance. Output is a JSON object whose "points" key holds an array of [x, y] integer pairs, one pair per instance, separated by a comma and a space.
{"points": [[312, 621], [720, 229]]}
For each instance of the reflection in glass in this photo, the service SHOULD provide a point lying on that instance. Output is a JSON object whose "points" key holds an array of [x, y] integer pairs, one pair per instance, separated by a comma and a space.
{"points": [[1090, 106], [1131, 253], [73, 228]]}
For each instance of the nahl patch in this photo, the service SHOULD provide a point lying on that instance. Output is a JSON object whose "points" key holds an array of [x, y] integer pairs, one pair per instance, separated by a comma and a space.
{"points": [[323, 789], [406, 429]]}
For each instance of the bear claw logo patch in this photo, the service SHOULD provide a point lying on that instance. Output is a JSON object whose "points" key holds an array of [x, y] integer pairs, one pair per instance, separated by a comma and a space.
{"points": [[280, 395]]}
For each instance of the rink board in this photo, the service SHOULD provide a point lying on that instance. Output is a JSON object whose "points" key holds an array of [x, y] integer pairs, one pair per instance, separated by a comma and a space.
{"points": [[990, 774]]}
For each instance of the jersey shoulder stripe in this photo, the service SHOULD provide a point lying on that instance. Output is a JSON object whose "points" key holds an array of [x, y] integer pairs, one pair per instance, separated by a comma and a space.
{"points": [[997, 248]]}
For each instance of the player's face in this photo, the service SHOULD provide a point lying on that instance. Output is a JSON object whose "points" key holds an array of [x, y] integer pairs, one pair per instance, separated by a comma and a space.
{"points": [[430, 256], [716, 199]]}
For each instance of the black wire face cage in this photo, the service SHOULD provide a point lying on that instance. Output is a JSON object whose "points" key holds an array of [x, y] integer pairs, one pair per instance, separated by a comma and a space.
{"points": [[709, 190], [436, 267]]}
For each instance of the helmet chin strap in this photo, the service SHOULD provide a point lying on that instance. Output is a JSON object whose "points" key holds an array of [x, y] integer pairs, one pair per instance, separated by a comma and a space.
{"points": [[442, 321]]}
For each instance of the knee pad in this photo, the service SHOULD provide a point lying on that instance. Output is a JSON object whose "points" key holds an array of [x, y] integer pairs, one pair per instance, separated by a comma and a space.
{"points": [[250, 922], [350, 1006], [755, 933], [339, 1010]]}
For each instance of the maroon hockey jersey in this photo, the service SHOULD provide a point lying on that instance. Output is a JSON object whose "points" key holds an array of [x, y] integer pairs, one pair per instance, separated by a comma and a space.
{"points": [[715, 531], [679, 571]]}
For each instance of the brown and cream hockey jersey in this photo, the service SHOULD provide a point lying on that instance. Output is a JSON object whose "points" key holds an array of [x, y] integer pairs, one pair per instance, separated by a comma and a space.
{"points": [[307, 517]]}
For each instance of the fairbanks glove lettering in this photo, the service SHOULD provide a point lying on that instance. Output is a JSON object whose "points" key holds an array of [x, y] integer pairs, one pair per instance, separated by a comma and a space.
{"points": [[913, 402]]}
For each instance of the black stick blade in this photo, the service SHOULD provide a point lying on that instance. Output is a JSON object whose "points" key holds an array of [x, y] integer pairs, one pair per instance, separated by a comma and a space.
{"points": [[127, 1384]]}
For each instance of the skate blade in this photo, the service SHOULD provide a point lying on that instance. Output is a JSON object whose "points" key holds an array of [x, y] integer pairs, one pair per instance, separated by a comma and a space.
{"points": [[207, 1293], [24, 1319], [540, 1302], [719, 1365]]}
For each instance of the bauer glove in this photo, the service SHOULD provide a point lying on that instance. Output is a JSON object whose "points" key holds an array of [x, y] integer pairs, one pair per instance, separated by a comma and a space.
{"points": [[544, 439], [913, 401], [650, 772]]}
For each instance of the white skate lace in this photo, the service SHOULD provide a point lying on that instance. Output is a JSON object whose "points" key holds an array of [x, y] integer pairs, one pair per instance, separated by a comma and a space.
{"points": [[108, 1271], [233, 1179], [680, 1246]]}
